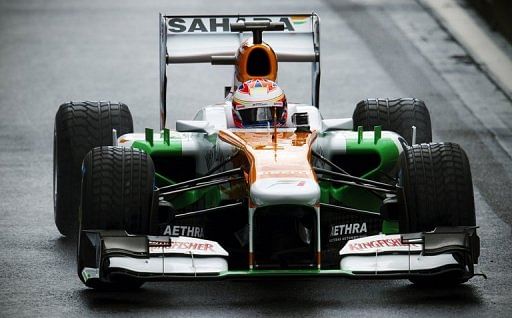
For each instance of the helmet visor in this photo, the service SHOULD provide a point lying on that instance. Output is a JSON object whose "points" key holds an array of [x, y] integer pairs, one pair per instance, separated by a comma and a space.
{"points": [[260, 116]]}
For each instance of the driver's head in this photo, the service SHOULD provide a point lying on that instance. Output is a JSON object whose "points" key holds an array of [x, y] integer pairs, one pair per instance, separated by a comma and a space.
{"points": [[255, 102]]}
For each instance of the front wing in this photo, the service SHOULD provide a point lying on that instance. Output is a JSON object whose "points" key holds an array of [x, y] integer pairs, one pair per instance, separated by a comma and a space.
{"points": [[112, 256]]}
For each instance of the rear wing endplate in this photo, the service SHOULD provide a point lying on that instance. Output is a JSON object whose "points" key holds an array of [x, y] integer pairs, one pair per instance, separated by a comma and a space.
{"points": [[195, 39]]}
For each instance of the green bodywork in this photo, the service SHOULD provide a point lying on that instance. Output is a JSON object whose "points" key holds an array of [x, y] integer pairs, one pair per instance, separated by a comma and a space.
{"points": [[170, 145], [388, 153], [355, 197], [258, 273]]}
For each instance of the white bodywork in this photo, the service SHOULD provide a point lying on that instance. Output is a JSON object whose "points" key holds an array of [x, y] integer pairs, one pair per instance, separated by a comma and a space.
{"points": [[380, 254], [193, 135], [298, 191], [182, 256], [186, 256]]}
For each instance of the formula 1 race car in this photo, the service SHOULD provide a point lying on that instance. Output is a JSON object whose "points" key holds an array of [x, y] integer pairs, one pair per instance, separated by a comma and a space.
{"points": [[258, 187]]}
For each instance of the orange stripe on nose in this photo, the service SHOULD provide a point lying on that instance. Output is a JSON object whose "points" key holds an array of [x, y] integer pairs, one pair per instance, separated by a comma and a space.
{"points": [[288, 156]]}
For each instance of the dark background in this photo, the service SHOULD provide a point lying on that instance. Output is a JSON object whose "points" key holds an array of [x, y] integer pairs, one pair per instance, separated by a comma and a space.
{"points": [[497, 13]]}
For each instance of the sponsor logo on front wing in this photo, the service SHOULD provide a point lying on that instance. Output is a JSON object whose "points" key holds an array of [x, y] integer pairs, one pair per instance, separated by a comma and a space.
{"points": [[184, 230], [345, 232], [186, 245], [381, 243]]}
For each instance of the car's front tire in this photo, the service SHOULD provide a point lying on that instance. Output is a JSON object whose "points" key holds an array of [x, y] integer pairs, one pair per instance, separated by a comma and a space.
{"points": [[117, 194], [438, 192]]}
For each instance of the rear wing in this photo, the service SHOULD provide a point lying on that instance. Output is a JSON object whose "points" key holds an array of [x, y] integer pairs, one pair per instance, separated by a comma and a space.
{"points": [[196, 39]]}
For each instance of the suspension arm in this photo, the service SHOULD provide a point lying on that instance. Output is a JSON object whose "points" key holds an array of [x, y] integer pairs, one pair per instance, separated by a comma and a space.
{"points": [[204, 179]]}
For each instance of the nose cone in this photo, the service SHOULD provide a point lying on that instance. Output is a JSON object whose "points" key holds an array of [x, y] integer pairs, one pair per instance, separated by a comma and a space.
{"points": [[298, 191]]}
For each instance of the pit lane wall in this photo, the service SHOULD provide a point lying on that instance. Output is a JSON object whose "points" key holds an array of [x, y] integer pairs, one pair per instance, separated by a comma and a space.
{"points": [[496, 13]]}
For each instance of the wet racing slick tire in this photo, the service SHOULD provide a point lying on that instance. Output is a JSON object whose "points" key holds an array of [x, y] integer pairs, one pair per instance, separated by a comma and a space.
{"points": [[117, 194], [397, 115], [438, 192], [80, 126]]}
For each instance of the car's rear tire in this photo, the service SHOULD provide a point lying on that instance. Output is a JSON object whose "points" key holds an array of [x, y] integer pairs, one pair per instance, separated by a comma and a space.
{"points": [[438, 192], [397, 115], [80, 126], [117, 194]]}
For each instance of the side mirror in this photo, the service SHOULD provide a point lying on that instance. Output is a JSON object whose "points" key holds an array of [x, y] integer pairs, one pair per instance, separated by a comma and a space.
{"points": [[198, 126], [337, 124]]}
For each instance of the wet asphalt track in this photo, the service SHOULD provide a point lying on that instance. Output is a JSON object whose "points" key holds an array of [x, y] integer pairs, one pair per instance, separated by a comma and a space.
{"points": [[56, 51]]}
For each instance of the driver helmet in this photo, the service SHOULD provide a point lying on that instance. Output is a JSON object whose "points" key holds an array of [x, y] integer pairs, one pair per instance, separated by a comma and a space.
{"points": [[255, 102]]}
